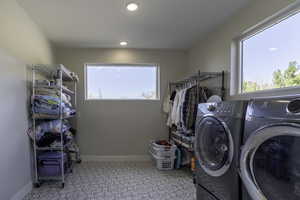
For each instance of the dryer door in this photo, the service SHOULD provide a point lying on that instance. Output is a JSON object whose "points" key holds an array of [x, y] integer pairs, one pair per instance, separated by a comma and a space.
{"points": [[213, 146], [270, 163]]}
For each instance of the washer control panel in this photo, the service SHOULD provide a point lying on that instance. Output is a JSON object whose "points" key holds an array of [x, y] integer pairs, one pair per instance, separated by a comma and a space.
{"points": [[225, 108]]}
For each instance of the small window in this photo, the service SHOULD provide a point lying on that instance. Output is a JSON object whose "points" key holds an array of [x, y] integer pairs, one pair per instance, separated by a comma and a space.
{"points": [[122, 82], [269, 58]]}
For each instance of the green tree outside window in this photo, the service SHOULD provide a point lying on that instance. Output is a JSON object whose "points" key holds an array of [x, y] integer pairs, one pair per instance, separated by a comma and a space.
{"points": [[281, 78]]}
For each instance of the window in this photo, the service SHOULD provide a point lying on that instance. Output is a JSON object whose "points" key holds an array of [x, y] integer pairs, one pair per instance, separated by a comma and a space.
{"points": [[129, 82], [269, 55]]}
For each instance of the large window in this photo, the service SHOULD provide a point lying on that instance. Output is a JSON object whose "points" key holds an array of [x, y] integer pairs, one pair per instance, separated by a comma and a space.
{"points": [[129, 82], [270, 56]]}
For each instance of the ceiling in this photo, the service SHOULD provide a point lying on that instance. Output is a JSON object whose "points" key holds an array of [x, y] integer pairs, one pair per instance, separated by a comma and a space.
{"points": [[159, 24]]}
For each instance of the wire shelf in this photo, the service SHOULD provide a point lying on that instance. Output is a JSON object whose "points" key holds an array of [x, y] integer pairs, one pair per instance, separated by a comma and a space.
{"points": [[52, 71], [61, 73]]}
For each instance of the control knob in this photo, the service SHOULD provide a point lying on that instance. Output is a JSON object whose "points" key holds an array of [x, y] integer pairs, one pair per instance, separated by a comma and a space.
{"points": [[211, 108]]}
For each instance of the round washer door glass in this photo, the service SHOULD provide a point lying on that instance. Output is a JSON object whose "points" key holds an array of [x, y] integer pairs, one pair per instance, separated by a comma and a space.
{"points": [[271, 163], [214, 146], [276, 167]]}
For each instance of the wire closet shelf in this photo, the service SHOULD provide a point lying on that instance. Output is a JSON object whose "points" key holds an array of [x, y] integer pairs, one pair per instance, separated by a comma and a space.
{"points": [[201, 77], [61, 73], [196, 80]]}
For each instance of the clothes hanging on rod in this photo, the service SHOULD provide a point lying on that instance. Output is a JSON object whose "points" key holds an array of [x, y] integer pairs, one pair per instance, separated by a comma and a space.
{"points": [[176, 112], [183, 133], [183, 109]]}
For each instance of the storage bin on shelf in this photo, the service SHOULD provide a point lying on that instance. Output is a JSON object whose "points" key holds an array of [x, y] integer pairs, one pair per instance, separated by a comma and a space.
{"points": [[163, 154], [49, 164]]}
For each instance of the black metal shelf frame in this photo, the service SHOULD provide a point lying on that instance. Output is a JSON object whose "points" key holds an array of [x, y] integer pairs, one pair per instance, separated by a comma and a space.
{"points": [[197, 79]]}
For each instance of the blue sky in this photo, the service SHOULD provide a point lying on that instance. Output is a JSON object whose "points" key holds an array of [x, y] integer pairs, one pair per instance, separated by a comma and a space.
{"points": [[272, 49], [121, 82]]}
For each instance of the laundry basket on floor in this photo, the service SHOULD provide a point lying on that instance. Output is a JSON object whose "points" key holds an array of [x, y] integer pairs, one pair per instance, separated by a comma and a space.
{"points": [[163, 154], [162, 149]]}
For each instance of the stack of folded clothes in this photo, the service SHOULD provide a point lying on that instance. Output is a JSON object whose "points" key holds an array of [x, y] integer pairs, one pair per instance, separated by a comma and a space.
{"points": [[46, 104], [48, 133]]}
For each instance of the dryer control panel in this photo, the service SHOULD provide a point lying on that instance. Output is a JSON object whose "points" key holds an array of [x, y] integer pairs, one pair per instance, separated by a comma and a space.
{"points": [[225, 108]]}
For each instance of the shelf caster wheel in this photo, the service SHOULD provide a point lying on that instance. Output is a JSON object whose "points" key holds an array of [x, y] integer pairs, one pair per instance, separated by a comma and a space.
{"points": [[62, 185], [79, 161], [37, 185]]}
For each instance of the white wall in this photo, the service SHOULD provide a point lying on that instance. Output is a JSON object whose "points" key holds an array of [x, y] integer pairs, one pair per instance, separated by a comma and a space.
{"points": [[21, 43], [213, 52], [118, 128]]}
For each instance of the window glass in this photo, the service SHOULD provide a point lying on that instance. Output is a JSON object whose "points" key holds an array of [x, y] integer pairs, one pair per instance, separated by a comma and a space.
{"points": [[271, 58], [121, 82]]}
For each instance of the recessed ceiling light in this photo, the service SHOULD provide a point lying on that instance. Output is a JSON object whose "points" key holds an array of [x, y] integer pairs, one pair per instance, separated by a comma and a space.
{"points": [[273, 49], [132, 7], [123, 43]]}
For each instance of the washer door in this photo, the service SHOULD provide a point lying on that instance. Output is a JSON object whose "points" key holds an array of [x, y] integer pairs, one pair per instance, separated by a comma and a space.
{"points": [[213, 146], [270, 163]]}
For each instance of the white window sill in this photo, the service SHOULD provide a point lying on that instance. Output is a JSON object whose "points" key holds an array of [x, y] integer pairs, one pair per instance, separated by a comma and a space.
{"points": [[292, 91], [122, 100]]}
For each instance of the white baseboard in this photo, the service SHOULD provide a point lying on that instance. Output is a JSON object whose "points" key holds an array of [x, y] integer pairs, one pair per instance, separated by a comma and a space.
{"points": [[95, 158], [22, 192]]}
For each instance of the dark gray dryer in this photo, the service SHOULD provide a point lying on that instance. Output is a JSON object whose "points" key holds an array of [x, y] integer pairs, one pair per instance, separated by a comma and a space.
{"points": [[219, 128], [270, 157]]}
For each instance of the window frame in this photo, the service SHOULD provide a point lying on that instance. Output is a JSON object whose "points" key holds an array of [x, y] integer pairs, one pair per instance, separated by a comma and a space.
{"points": [[237, 55], [158, 80]]}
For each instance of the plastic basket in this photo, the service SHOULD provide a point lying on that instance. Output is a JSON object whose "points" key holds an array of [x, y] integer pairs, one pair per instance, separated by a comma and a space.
{"points": [[162, 151], [163, 163]]}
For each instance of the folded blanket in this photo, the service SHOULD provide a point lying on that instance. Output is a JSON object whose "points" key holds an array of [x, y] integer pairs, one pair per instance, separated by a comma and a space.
{"points": [[47, 99], [45, 94], [47, 116], [50, 105]]}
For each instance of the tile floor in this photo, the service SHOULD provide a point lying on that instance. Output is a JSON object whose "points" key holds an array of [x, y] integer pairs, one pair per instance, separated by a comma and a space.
{"points": [[119, 181]]}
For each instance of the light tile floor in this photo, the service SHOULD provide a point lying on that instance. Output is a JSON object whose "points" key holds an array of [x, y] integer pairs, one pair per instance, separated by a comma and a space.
{"points": [[119, 181]]}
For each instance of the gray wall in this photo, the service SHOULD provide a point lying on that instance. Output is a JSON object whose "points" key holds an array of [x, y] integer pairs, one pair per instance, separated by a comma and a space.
{"points": [[213, 52], [21, 43], [121, 127], [14, 148]]}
